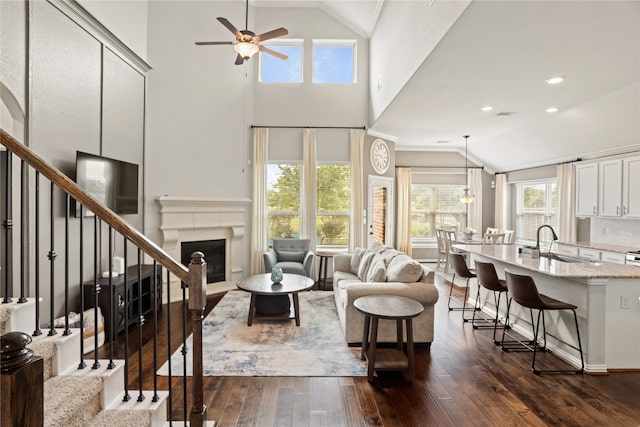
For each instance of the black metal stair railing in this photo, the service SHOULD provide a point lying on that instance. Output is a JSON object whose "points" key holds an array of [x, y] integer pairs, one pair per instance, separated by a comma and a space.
{"points": [[131, 306]]}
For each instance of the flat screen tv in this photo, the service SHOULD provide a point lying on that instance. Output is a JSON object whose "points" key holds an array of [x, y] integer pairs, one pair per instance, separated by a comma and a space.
{"points": [[112, 182]]}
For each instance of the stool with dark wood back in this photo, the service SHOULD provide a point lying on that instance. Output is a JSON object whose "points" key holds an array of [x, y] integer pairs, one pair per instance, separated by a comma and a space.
{"points": [[460, 268], [488, 279], [523, 290]]}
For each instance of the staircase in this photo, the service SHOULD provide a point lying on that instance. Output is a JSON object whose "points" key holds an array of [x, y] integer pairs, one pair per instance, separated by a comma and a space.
{"points": [[79, 391], [82, 397]]}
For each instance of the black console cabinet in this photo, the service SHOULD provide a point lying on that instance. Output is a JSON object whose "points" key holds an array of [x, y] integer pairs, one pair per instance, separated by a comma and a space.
{"points": [[139, 297]]}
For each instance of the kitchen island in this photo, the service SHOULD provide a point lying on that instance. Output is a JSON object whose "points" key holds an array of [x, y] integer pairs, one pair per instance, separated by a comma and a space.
{"points": [[607, 296]]}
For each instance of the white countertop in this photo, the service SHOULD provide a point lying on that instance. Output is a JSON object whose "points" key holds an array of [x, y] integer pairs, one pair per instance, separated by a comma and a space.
{"points": [[601, 246], [509, 254]]}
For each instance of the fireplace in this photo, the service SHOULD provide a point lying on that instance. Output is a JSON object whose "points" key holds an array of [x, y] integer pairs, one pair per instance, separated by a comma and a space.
{"points": [[196, 219], [214, 254]]}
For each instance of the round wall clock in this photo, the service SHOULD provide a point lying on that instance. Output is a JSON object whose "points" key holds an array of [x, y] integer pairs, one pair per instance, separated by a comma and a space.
{"points": [[380, 156]]}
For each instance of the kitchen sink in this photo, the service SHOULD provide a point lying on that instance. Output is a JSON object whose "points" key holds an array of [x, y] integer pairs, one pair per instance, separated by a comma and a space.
{"points": [[561, 258]]}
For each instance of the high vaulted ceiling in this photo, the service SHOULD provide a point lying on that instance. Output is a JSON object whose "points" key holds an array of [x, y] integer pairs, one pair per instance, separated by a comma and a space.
{"points": [[499, 53]]}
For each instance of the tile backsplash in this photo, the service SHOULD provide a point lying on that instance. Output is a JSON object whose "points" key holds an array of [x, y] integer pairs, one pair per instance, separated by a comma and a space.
{"points": [[621, 232]]}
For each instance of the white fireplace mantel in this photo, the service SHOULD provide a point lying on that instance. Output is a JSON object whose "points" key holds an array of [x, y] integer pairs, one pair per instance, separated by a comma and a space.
{"points": [[199, 218]]}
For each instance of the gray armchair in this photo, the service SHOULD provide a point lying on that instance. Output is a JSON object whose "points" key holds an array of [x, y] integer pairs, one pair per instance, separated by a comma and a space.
{"points": [[292, 255]]}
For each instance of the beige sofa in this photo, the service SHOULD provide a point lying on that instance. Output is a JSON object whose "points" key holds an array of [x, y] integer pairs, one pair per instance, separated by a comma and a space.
{"points": [[389, 272]]}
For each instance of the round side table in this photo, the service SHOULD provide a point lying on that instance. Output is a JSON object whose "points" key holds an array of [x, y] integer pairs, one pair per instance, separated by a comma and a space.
{"points": [[322, 268], [375, 307]]}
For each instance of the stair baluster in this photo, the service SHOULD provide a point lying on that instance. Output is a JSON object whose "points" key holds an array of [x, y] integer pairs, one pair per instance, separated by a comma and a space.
{"points": [[82, 364], [67, 331], [37, 332], [113, 329], [7, 225], [52, 258], [24, 218], [127, 396]]}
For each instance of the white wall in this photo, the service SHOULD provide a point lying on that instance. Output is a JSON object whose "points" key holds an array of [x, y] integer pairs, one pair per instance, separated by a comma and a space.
{"points": [[307, 103], [398, 50], [198, 107], [126, 19]]}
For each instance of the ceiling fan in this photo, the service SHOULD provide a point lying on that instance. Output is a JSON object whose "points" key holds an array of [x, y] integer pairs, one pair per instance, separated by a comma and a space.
{"points": [[247, 43]]}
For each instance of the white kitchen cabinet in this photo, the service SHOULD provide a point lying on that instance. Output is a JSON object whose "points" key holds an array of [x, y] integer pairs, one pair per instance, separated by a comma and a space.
{"points": [[588, 253], [614, 257], [568, 250], [631, 187], [587, 189], [610, 182]]}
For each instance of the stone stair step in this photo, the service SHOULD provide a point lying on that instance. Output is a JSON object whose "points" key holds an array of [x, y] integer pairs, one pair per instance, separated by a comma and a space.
{"points": [[186, 424], [71, 400]]}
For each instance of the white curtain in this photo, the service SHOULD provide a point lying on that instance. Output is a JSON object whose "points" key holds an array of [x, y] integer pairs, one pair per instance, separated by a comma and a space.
{"points": [[474, 182], [259, 217], [356, 235], [403, 219], [501, 219], [566, 203], [308, 226]]}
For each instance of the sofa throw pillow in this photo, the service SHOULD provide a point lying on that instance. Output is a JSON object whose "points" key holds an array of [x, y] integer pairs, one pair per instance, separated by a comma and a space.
{"points": [[404, 269], [363, 268], [377, 271], [290, 256], [356, 257]]}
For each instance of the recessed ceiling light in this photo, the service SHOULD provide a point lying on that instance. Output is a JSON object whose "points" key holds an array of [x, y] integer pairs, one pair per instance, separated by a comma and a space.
{"points": [[442, 142], [552, 110], [555, 80], [486, 108]]}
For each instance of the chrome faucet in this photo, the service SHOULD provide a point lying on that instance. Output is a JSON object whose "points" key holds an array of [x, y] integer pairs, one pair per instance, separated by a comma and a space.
{"points": [[555, 236]]}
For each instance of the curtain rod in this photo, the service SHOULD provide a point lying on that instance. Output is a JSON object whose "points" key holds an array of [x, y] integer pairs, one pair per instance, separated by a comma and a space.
{"points": [[440, 167], [310, 127], [577, 159]]}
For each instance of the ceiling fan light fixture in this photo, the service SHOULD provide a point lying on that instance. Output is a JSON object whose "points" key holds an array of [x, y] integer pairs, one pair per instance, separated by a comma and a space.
{"points": [[246, 49]]}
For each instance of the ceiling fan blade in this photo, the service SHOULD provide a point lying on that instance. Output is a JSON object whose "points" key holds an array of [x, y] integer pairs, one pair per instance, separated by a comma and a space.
{"points": [[278, 32], [239, 60], [273, 52], [230, 26], [212, 43]]}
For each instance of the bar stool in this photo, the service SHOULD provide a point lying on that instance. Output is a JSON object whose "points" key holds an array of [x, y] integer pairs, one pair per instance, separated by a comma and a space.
{"points": [[460, 268], [488, 279], [524, 291]]}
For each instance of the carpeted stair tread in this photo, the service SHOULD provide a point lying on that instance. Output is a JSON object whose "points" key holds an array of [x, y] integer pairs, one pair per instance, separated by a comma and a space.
{"points": [[46, 350], [5, 313], [113, 417], [71, 401]]}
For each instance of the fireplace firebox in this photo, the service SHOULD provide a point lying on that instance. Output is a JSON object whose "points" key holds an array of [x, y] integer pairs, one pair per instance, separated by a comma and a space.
{"points": [[214, 254]]}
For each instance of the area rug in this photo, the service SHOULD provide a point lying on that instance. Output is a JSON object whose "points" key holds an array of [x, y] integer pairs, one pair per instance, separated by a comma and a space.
{"points": [[316, 348]]}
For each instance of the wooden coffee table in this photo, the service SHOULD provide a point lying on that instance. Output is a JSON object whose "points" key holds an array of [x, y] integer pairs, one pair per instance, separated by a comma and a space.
{"points": [[392, 307], [261, 284]]}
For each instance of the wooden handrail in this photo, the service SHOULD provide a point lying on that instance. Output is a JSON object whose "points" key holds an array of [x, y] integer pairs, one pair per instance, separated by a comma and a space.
{"points": [[101, 211]]}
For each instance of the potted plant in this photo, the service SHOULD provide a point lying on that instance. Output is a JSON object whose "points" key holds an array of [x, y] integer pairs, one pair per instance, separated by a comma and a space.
{"points": [[530, 251], [469, 232]]}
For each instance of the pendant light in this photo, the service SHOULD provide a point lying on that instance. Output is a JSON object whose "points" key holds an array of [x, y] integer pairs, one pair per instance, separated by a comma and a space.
{"points": [[467, 197]]}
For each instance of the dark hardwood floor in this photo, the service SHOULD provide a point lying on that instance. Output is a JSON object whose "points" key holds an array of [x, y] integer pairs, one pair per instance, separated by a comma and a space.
{"points": [[464, 380]]}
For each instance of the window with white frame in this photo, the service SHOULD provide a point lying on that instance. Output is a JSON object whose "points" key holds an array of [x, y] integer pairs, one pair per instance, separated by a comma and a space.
{"points": [[333, 204], [536, 204], [436, 206], [283, 200], [276, 70], [334, 61]]}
